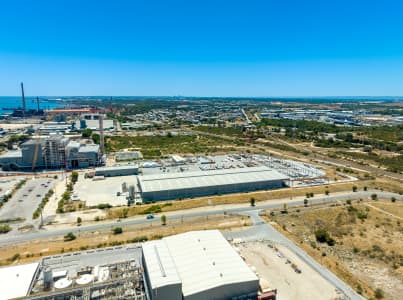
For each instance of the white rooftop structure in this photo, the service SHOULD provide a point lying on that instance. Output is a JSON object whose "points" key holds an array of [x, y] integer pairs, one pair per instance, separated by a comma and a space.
{"points": [[202, 183], [155, 182], [207, 265], [161, 270], [15, 281]]}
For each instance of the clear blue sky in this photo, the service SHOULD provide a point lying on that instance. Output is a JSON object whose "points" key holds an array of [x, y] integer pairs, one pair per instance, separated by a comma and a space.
{"points": [[202, 48]]}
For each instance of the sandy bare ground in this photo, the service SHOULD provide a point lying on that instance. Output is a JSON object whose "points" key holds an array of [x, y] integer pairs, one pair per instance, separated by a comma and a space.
{"points": [[271, 264]]}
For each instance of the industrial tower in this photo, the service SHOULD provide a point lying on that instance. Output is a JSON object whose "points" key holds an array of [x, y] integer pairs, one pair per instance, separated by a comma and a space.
{"points": [[23, 99], [101, 134]]}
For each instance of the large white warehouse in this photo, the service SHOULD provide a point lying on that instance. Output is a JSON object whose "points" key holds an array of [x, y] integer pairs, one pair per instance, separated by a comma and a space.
{"points": [[197, 265], [203, 183]]}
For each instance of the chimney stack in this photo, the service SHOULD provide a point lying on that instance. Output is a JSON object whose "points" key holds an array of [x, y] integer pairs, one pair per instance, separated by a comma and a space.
{"points": [[23, 98]]}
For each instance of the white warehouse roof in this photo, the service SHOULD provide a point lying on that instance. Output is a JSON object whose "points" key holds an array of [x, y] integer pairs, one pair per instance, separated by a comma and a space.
{"points": [[183, 180], [204, 261], [160, 265], [15, 281]]}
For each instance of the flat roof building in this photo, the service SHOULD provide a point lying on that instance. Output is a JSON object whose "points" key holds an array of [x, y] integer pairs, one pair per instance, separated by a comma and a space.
{"points": [[206, 264], [16, 281], [123, 170], [203, 183]]}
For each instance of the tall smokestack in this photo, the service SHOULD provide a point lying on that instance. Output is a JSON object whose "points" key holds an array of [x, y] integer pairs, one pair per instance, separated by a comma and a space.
{"points": [[101, 134], [37, 102], [23, 98]]}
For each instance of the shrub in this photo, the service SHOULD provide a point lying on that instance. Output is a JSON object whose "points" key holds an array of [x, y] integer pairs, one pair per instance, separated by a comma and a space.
{"points": [[104, 206], [5, 228], [355, 188], [163, 220], [79, 220], [117, 230], [379, 294], [15, 257], [322, 236], [365, 188], [374, 197], [393, 199], [69, 237]]}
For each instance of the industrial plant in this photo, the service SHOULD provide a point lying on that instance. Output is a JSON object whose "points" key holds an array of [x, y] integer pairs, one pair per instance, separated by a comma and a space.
{"points": [[190, 266], [52, 152]]}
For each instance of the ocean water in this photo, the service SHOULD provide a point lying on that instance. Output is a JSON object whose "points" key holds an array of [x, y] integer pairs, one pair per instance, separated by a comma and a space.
{"points": [[16, 102]]}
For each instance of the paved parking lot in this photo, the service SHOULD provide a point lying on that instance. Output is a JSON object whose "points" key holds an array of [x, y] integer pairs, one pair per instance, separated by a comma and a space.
{"points": [[26, 200], [95, 192]]}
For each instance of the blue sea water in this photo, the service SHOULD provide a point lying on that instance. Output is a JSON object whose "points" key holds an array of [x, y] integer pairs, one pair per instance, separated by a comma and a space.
{"points": [[16, 102]]}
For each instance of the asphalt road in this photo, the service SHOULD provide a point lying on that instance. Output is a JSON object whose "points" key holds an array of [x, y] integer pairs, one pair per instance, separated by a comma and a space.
{"points": [[14, 237]]}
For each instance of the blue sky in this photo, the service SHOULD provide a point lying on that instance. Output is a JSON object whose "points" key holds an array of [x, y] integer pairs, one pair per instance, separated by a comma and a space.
{"points": [[202, 48]]}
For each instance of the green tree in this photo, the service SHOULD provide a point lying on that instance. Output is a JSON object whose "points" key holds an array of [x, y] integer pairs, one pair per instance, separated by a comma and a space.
{"points": [[69, 237], [79, 220], [95, 138], [252, 201], [354, 188], [393, 199], [74, 176], [163, 220], [117, 230], [86, 133], [374, 197], [327, 192], [305, 202], [365, 188]]}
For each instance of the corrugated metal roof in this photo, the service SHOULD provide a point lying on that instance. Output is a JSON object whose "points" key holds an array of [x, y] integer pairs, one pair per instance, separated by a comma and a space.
{"points": [[113, 168], [174, 181], [160, 265], [205, 260]]}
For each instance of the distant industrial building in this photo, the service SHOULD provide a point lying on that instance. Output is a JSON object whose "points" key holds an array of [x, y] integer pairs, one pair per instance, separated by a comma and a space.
{"points": [[123, 170], [128, 155], [92, 122], [195, 265], [52, 152], [203, 183]]}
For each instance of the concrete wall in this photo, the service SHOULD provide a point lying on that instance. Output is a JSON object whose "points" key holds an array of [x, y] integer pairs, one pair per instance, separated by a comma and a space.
{"points": [[236, 291]]}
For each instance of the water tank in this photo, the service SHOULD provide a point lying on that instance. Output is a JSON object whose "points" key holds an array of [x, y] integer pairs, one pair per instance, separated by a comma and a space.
{"points": [[47, 278], [131, 192], [124, 187]]}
